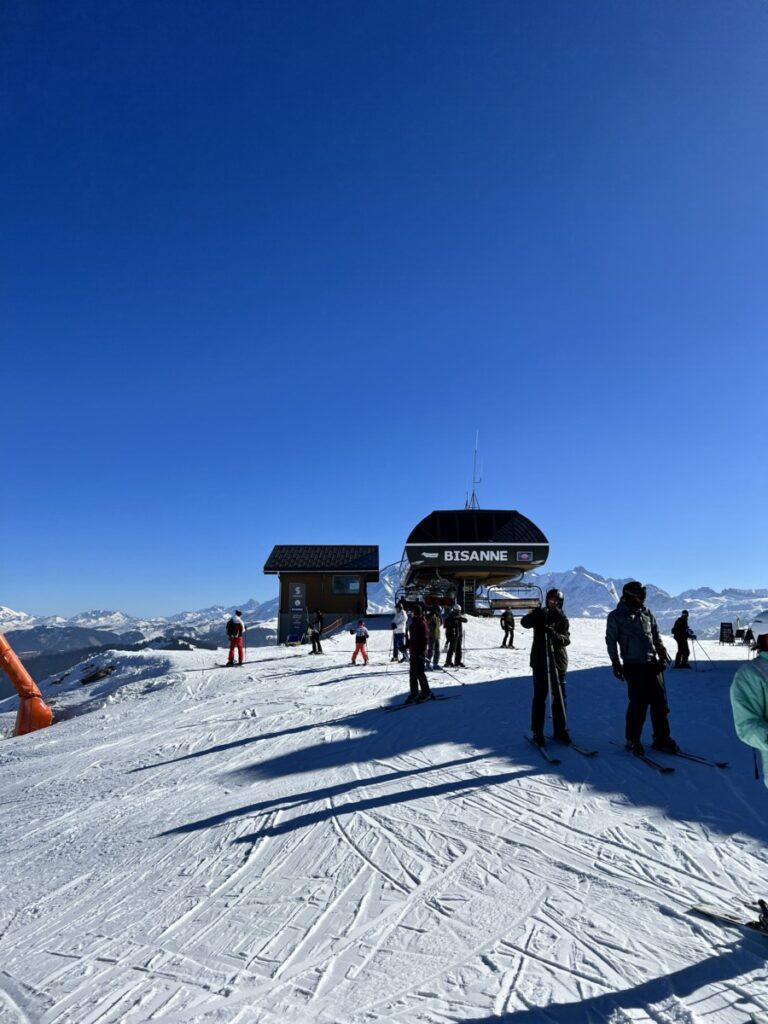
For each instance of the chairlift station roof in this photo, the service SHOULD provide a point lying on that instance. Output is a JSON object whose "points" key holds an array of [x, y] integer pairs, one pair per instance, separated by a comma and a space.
{"points": [[492, 545]]}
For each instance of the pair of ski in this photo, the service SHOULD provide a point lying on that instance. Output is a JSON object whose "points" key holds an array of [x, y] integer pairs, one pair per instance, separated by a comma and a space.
{"points": [[667, 769], [569, 746], [728, 917], [414, 703]]}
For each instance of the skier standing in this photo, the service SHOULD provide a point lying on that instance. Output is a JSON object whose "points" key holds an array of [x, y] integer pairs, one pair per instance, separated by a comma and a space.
{"points": [[749, 701], [508, 625], [435, 624], [632, 637], [399, 622], [454, 635], [361, 639], [682, 633], [549, 662], [316, 632], [236, 634], [418, 639]]}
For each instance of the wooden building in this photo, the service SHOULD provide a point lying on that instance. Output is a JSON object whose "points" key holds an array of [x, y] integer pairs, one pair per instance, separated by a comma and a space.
{"points": [[331, 577]]}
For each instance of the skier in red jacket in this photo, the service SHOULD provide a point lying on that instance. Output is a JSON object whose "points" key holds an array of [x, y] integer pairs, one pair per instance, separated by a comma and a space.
{"points": [[236, 633]]}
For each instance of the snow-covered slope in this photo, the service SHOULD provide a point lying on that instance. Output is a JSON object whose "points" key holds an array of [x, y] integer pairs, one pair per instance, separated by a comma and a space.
{"points": [[266, 844]]}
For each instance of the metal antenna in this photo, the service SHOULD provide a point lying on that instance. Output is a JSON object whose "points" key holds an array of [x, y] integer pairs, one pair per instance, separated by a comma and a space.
{"points": [[473, 502]]}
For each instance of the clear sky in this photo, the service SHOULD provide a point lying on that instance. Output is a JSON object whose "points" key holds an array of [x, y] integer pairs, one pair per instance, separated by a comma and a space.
{"points": [[266, 268]]}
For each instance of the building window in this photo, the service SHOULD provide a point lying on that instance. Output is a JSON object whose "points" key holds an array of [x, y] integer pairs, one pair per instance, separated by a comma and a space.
{"points": [[346, 585]]}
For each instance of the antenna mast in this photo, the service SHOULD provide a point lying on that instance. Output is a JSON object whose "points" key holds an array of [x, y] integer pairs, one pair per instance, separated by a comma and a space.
{"points": [[472, 502]]}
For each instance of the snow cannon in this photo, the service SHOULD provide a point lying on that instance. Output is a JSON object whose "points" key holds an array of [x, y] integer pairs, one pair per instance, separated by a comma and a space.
{"points": [[34, 713]]}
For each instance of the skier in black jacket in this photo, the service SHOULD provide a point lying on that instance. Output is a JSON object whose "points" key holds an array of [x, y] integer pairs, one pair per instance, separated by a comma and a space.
{"points": [[549, 661], [682, 632], [454, 632], [639, 658], [316, 632], [508, 625]]}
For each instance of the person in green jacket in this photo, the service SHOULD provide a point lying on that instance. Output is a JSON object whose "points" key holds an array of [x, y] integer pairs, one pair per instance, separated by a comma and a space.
{"points": [[749, 700]]}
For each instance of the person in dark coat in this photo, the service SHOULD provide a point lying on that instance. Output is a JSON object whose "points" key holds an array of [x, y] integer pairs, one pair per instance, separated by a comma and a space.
{"points": [[316, 632], [682, 632], [549, 664], [418, 641], [454, 634], [639, 658], [508, 625]]}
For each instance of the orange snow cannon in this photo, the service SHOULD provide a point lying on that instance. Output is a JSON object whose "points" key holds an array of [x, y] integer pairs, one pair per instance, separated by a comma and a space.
{"points": [[34, 713]]}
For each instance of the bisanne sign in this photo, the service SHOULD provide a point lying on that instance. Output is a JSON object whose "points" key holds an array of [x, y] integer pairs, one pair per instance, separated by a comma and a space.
{"points": [[441, 555]]}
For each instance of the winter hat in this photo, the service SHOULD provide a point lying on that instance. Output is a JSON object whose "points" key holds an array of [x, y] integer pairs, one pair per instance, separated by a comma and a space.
{"points": [[238, 613], [685, 612], [635, 590], [557, 594], [762, 642]]}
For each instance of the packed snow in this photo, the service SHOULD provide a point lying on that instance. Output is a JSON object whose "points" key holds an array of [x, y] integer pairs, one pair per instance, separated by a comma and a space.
{"points": [[191, 843]]}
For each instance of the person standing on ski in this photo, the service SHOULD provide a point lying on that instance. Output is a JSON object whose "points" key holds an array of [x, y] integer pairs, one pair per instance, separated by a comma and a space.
{"points": [[749, 701], [682, 632], [316, 632], [508, 625], [236, 634], [399, 623], [418, 639], [549, 665], [454, 635], [361, 640], [639, 658], [435, 624]]}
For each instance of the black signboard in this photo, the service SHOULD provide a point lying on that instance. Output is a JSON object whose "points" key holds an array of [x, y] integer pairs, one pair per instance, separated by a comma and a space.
{"points": [[726, 633], [298, 609]]}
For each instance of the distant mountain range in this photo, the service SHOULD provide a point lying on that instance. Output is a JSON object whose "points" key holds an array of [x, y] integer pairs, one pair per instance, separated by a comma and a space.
{"points": [[589, 595], [53, 644]]}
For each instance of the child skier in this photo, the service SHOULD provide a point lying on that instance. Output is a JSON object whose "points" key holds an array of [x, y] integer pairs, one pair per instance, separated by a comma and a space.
{"points": [[361, 639]]}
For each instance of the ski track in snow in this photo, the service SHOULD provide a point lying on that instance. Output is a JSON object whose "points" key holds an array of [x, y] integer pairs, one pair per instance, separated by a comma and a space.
{"points": [[266, 844]]}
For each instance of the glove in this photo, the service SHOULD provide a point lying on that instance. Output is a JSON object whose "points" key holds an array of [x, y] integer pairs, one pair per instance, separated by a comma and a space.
{"points": [[664, 659], [618, 671]]}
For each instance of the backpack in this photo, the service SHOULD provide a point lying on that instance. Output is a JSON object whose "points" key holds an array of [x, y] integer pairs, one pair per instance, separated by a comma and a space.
{"points": [[232, 629]]}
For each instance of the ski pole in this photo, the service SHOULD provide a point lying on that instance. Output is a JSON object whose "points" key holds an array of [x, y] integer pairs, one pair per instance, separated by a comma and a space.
{"points": [[550, 661], [695, 641]]}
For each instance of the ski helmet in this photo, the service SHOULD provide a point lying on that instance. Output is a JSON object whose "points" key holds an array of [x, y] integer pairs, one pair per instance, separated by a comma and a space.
{"points": [[634, 590], [557, 594]]}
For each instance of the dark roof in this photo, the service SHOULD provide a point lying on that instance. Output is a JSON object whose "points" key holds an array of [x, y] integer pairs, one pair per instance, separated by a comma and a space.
{"points": [[323, 558], [476, 526]]}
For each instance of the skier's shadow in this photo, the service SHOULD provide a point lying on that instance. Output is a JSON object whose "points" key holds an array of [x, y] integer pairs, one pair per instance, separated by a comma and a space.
{"points": [[490, 717], [745, 955]]}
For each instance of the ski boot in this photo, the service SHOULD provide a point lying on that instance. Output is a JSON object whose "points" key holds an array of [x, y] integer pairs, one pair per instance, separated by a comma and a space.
{"points": [[667, 744]]}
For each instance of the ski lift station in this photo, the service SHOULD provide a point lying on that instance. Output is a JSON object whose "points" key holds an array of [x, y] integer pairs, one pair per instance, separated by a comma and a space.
{"points": [[453, 556], [474, 557]]}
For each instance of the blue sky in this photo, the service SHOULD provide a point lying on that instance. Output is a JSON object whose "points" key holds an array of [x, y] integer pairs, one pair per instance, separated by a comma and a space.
{"points": [[266, 268]]}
